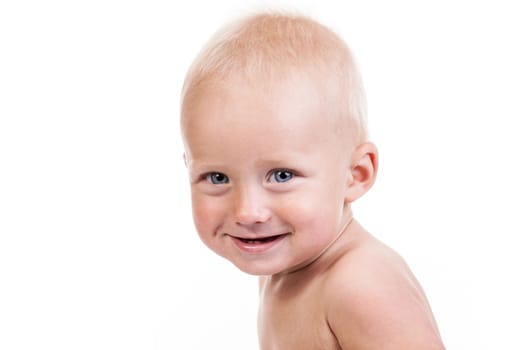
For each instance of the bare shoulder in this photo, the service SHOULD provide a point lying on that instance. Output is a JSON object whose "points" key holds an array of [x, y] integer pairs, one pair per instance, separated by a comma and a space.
{"points": [[375, 302]]}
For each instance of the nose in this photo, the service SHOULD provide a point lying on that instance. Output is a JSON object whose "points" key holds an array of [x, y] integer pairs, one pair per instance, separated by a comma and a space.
{"points": [[250, 207]]}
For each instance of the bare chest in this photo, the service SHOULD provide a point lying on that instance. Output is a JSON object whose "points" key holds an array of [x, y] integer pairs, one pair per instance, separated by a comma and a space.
{"points": [[291, 322]]}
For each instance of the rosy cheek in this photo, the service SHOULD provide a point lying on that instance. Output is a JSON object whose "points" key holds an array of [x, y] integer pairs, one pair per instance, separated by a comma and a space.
{"points": [[313, 215], [301, 208], [207, 214]]}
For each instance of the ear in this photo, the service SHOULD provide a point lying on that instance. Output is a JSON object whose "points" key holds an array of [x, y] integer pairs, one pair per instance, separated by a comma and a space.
{"points": [[185, 160], [363, 171]]}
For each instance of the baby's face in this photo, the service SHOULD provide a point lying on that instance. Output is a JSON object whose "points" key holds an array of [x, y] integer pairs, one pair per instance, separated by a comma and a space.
{"points": [[268, 176]]}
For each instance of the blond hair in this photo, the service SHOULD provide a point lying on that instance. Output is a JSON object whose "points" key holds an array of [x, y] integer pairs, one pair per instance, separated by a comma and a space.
{"points": [[269, 47]]}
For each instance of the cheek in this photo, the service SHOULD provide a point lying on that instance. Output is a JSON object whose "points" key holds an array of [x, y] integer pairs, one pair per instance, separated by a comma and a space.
{"points": [[317, 211], [309, 210], [207, 214]]}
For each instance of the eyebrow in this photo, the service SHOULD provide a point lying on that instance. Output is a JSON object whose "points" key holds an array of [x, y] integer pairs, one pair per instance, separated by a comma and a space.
{"points": [[204, 164], [287, 157]]}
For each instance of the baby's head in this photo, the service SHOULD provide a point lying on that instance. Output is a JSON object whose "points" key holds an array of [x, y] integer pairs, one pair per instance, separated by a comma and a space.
{"points": [[267, 50], [273, 124]]}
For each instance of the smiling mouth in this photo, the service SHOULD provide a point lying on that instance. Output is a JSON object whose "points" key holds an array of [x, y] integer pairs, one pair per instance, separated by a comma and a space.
{"points": [[259, 240], [258, 245]]}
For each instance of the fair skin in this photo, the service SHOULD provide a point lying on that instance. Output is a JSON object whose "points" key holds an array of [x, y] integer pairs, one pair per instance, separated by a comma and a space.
{"points": [[272, 189]]}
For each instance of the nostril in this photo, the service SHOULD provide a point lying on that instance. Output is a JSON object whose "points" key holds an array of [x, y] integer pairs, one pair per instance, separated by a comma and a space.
{"points": [[245, 218], [251, 215], [249, 207]]}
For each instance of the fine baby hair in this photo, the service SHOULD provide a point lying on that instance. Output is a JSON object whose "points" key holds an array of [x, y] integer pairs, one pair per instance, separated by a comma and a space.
{"points": [[266, 48]]}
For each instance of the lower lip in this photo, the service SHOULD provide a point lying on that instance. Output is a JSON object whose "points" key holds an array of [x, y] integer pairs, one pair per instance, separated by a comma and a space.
{"points": [[258, 247]]}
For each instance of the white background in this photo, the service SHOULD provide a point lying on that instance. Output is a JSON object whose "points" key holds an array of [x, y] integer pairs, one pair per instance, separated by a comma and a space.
{"points": [[97, 246]]}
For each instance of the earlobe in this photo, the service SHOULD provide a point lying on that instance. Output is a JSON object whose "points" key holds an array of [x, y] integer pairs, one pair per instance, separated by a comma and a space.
{"points": [[362, 172]]}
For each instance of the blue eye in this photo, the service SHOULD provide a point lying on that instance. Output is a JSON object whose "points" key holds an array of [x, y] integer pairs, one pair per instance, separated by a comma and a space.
{"points": [[217, 178], [281, 176]]}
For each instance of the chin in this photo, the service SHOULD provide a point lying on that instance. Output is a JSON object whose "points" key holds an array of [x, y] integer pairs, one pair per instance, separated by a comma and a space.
{"points": [[257, 268]]}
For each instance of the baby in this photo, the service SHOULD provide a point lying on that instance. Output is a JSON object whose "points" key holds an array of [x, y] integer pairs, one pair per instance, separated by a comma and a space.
{"points": [[273, 125]]}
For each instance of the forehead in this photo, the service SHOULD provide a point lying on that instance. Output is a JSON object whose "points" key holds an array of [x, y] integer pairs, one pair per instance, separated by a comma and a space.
{"points": [[291, 111]]}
